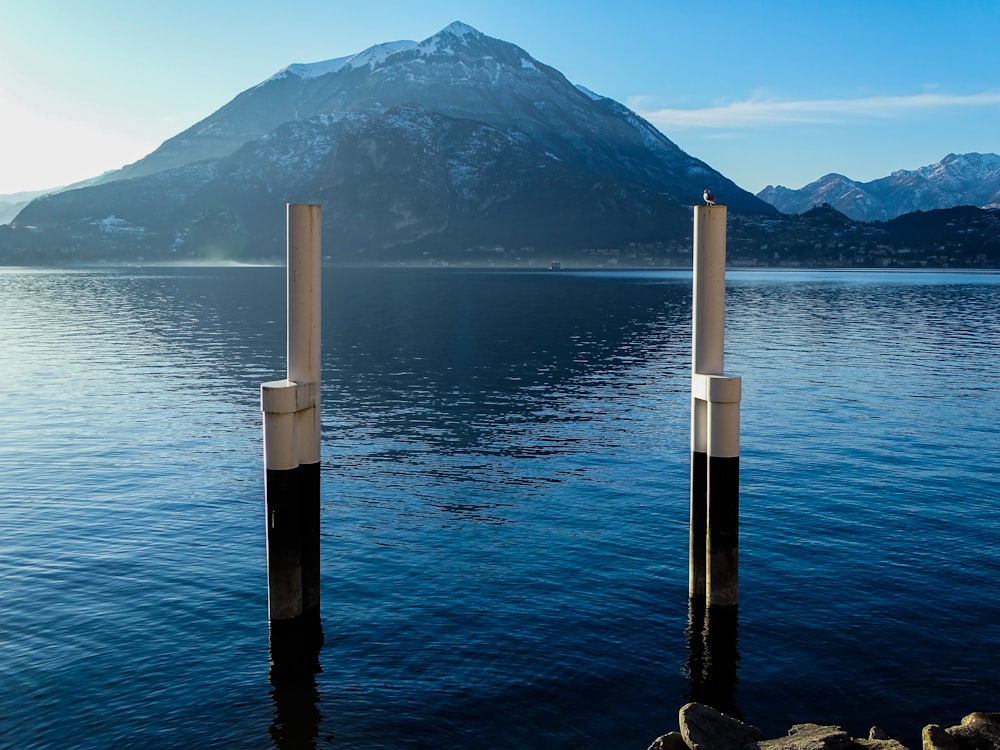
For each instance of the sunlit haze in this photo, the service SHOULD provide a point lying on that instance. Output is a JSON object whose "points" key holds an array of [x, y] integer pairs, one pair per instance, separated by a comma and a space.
{"points": [[766, 93]]}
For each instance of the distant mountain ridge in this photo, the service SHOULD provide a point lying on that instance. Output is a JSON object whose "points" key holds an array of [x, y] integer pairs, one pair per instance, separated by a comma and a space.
{"points": [[957, 180], [11, 204], [456, 142]]}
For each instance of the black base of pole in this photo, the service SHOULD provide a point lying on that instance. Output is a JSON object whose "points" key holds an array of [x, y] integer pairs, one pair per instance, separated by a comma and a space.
{"points": [[698, 528], [309, 489], [292, 507], [292, 500], [723, 530]]}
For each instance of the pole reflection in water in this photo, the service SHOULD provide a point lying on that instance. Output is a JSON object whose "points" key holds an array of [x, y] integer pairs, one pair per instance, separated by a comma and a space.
{"points": [[295, 647], [713, 656]]}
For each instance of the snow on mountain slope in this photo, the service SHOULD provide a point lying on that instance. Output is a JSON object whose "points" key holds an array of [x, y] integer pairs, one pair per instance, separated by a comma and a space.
{"points": [[371, 56]]}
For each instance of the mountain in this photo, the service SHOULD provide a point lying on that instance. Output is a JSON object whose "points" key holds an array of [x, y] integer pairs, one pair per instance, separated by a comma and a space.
{"points": [[460, 143], [12, 203], [956, 180]]}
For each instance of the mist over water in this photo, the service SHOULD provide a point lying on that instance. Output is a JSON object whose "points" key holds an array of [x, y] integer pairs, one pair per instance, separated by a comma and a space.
{"points": [[505, 492]]}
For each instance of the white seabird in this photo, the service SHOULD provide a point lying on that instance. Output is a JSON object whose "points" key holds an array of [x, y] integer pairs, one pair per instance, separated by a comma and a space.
{"points": [[709, 197]]}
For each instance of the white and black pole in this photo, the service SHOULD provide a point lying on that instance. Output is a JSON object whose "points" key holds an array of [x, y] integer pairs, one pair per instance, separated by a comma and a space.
{"points": [[715, 424], [292, 454]]}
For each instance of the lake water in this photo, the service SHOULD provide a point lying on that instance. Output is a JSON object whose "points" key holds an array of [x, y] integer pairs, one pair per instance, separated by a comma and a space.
{"points": [[505, 507]]}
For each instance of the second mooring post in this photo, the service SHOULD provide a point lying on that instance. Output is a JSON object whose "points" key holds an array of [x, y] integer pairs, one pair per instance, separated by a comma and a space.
{"points": [[292, 454], [715, 426]]}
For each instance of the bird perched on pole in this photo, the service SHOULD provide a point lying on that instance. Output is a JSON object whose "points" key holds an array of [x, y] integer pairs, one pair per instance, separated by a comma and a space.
{"points": [[709, 198]]}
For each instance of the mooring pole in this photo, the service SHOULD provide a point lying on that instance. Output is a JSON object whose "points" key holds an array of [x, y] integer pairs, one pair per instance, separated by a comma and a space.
{"points": [[292, 448], [304, 311], [715, 427]]}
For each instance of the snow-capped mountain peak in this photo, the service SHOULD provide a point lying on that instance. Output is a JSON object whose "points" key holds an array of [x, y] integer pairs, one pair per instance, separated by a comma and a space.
{"points": [[459, 29], [460, 141], [455, 34]]}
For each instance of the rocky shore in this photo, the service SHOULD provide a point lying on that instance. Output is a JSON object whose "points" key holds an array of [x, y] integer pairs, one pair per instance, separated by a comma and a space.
{"points": [[704, 728]]}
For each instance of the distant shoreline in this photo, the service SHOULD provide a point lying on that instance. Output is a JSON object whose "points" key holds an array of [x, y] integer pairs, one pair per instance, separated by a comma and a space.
{"points": [[565, 269]]}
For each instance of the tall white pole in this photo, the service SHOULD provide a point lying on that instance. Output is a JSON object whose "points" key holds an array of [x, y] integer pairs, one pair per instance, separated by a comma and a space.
{"points": [[713, 542], [304, 369], [291, 417]]}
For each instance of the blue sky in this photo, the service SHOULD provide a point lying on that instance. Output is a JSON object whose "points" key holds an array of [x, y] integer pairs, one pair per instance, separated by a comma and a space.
{"points": [[766, 92]]}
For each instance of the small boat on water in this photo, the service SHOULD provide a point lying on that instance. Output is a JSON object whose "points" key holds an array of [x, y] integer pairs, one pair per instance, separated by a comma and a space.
{"points": [[555, 265]]}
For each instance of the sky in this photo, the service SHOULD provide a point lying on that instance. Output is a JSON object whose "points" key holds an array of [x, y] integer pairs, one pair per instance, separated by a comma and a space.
{"points": [[768, 93]]}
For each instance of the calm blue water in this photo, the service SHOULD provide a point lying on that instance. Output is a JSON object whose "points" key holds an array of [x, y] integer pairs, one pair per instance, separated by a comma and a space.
{"points": [[505, 490]]}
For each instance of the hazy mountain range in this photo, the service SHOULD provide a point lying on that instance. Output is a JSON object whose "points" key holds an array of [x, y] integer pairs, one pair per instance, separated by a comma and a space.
{"points": [[458, 147], [12, 203], [956, 180]]}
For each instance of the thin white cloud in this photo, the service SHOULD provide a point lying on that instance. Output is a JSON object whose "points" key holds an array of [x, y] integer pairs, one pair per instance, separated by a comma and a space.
{"points": [[761, 112]]}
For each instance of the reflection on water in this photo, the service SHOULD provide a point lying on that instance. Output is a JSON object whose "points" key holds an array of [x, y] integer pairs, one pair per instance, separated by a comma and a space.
{"points": [[713, 656], [295, 650], [297, 716]]}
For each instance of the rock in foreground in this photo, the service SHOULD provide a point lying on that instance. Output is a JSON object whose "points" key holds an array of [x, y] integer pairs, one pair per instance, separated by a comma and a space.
{"points": [[704, 728], [978, 731]]}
